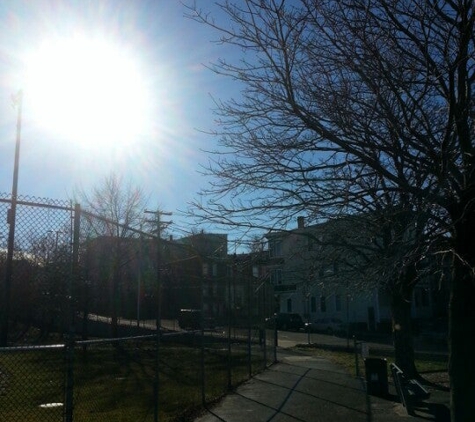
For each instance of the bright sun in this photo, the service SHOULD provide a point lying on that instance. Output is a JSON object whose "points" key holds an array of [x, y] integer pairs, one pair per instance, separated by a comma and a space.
{"points": [[88, 91]]}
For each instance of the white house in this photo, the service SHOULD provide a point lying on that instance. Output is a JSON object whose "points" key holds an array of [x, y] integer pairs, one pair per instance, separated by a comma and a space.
{"points": [[313, 275]]}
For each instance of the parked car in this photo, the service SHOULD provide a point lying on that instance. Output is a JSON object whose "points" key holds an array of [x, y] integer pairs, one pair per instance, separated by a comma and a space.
{"points": [[328, 326], [291, 322], [189, 319]]}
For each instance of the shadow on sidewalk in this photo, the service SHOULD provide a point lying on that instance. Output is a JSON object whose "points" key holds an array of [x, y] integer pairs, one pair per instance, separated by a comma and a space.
{"points": [[304, 392]]}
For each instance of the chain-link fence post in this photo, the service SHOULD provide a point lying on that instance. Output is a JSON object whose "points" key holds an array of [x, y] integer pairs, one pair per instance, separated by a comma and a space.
{"points": [[202, 351], [230, 381], [71, 293], [249, 328]]}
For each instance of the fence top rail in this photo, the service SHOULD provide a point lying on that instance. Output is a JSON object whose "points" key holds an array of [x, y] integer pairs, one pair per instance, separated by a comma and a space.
{"points": [[135, 230], [115, 340], [49, 204], [133, 338], [29, 348]]}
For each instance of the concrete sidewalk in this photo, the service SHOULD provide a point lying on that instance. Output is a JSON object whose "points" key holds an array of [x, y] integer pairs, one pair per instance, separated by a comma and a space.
{"points": [[305, 388]]}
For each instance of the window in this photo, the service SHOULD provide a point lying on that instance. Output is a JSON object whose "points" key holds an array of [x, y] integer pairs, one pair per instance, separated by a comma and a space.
{"points": [[314, 243], [215, 270], [313, 304], [255, 271], [338, 302], [205, 269], [275, 247], [276, 276], [289, 305], [323, 304]]}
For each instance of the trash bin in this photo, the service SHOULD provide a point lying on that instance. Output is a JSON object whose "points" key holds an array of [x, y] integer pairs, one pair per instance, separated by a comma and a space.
{"points": [[377, 376]]}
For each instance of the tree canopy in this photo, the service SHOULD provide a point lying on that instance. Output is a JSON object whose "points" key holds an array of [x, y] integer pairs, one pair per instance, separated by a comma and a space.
{"points": [[350, 106]]}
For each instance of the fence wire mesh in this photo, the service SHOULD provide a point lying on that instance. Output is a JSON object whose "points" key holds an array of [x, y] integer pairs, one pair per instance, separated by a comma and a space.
{"points": [[39, 280], [100, 289], [32, 383]]}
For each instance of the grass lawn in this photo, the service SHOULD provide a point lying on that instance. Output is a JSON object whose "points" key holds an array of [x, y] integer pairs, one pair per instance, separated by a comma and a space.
{"points": [[347, 361], [117, 383]]}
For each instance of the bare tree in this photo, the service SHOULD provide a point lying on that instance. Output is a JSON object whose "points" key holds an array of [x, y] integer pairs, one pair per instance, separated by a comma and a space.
{"points": [[115, 212], [375, 89]]}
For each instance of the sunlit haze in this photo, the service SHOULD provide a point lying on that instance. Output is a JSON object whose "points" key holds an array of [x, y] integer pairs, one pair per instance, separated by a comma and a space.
{"points": [[87, 90], [108, 86]]}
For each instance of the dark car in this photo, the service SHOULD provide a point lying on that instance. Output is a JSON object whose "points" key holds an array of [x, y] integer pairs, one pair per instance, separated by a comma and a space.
{"points": [[189, 319], [291, 322], [328, 326]]}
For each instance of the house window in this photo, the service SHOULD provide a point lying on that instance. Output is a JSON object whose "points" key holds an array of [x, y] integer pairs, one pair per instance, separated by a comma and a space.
{"points": [[255, 271], [215, 270], [289, 305], [313, 304], [275, 247], [205, 269], [276, 276], [323, 304], [338, 303]]}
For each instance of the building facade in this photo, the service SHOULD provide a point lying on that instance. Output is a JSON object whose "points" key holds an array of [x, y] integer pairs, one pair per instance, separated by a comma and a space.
{"points": [[315, 274]]}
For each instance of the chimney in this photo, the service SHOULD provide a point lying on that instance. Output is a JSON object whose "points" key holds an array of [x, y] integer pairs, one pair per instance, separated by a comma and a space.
{"points": [[300, 222]]}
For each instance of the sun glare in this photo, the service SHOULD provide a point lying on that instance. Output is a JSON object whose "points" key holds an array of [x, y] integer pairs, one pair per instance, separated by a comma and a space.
{"points": [[87, 91]]}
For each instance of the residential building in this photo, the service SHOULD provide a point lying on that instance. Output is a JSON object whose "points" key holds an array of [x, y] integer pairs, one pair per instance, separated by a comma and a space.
{"points": [[315, 273]]}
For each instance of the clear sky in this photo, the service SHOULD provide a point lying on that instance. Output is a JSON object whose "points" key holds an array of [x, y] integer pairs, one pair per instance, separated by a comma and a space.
{"points": [[70, 136]]}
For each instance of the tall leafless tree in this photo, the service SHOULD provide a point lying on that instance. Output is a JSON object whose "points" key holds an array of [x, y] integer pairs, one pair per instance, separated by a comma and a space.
{"points": [[368, 87], [114, 207]]}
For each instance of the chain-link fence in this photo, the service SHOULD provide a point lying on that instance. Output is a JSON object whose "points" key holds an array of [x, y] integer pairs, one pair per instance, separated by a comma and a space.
{"points": [[85, 297], [35, 268], [32, 383]]}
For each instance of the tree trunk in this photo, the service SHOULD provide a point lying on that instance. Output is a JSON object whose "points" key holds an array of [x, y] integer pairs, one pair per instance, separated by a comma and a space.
{"points": [[115, 306], [462, 322], [402, 331]]}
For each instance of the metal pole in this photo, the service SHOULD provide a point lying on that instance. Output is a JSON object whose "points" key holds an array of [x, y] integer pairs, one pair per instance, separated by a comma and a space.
{"points": [[202, 351], [158, 321], [73, 279], [357, 367], [158, 318], [139, 278], [308, 316], [11, 220], [229, 326], [347, 317], [249, 330]]}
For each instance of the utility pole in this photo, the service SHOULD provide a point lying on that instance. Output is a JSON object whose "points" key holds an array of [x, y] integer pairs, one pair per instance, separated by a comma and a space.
{"points": [[11, 220], [159, 224], [139, 278]]}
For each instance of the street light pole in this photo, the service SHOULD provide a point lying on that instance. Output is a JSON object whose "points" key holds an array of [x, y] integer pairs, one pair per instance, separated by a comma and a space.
{"points": [[11, 219]]}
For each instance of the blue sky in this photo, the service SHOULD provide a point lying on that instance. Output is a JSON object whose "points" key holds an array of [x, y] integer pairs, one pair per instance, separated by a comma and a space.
{"points": [[171, 51]]}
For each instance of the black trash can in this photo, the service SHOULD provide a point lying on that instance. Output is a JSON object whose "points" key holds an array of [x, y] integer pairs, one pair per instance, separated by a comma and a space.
{"points": [[377, 376]]}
